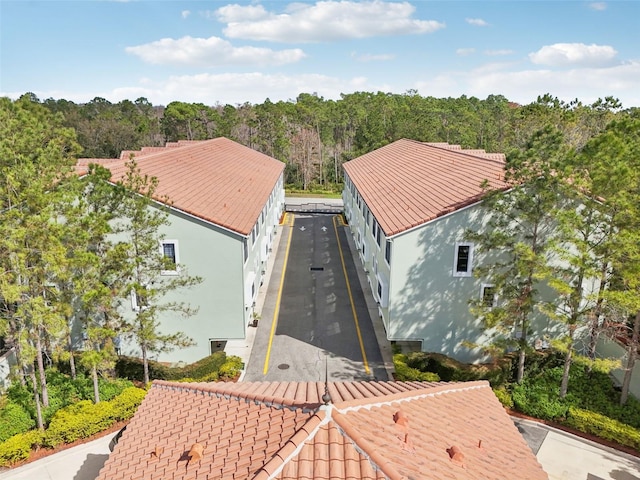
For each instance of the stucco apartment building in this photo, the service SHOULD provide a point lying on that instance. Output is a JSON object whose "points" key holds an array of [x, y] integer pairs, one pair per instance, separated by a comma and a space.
{"points": [[408, 205], [225, 203]]}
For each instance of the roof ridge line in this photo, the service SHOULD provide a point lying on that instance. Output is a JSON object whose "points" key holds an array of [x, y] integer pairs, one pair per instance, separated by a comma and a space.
{"points": [[166, 149], [221, 392], [401, 397], [298, 441], [365, 448], [487, 155]]}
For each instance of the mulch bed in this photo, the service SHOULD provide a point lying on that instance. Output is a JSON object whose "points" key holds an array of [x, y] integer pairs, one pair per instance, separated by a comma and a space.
{"points": [[39, 453]]}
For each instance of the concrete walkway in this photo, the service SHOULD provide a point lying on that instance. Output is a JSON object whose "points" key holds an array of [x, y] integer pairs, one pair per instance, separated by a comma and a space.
{"points": [[77, 463], [567, 457]]}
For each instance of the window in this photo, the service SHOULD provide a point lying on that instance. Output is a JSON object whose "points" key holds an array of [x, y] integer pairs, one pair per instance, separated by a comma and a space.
{"points": [[387, 252], [170, 257], [139, 300], [383, 292], [463, 259], [217, 345], [378, 235], [488, 295], [368, 216], [245, 249]]}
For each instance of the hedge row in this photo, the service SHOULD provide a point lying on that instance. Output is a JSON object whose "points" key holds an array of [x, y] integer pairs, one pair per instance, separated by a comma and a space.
{"points": [[208, 369], [603, 427], [80, 420], [409, 374]]}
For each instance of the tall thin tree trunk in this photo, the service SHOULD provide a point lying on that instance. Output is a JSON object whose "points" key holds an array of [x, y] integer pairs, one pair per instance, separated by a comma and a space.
{"points": [[96, 389], [41, 372], [631, 361], [72, 360], [521, 358], [568, 358], [145, 364], [36, 397]]}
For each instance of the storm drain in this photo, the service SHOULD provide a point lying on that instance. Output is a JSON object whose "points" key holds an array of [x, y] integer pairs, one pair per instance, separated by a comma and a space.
{"points": [[316, 269], [283, 366]]}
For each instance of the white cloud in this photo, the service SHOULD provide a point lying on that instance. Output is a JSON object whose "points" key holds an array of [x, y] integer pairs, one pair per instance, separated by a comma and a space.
{"points": [[570, 54], [478, 22], [497, 53], [210, 52], [323, 21], [228, 88], [185, 13], [463, 52], [524, 86], [370, 57], [599, 6]]}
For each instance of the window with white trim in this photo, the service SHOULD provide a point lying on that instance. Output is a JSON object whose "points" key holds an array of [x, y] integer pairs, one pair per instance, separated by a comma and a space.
{"points": [[139, 300], [170, 257], [488, 295], [463, 259], [387, 252], [382, 290]]}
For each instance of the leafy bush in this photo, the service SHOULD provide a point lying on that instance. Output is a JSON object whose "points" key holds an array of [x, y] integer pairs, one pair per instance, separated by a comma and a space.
{"points": [[132, 368], [451, 370], [406, 373], [110, 389], [231, 368], [14, 419], [539, 401], [19, 447], [126, 404], [603, 427], [504, 396], [77, 421]]}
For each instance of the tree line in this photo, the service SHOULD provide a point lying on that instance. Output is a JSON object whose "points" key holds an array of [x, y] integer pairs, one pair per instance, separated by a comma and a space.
{"points": [[314, 136]]}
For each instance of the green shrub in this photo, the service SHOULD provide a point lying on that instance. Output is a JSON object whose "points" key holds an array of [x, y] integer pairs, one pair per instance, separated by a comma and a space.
{"points": [[451, 370], [603, 427], [110, 389], [132, 368], [406, 373], [126, 404], [537, 400], [19, 447], [231, 368], [199, 369], [504, 396], [14, 419], [77, 421]]}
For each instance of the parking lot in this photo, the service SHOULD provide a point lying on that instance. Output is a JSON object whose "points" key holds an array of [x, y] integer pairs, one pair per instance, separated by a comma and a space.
{"points": [[316, 322]]}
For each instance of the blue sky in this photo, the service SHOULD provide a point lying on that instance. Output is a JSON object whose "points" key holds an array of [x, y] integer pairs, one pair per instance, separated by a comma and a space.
{"points": [[224, 52]]}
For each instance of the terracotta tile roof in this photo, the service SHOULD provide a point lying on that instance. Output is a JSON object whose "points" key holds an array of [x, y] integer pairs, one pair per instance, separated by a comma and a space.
{"points": [[217, 180], [407, 183], [369, 430]]}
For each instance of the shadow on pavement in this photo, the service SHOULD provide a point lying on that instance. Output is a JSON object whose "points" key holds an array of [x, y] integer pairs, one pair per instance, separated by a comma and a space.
{"points": [[91, 466]]}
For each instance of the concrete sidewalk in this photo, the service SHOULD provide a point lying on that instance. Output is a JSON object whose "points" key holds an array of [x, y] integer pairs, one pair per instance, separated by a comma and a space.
{"points": [[567, 457], [82, 462]]}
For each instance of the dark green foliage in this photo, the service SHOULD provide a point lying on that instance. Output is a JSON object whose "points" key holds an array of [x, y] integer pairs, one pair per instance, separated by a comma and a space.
{"points": [[538, 396], [74, 422], [450, 370], [14, 419], [132, 368], [64, 391], [405, 373]]}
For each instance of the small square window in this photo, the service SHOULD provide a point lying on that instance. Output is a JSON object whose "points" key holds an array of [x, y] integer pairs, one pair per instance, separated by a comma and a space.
{"points": [[463, 259]]}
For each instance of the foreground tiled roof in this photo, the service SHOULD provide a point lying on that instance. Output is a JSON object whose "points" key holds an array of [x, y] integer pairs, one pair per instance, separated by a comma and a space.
{"points": [[217, 180], [367, 430], [408, 183]]}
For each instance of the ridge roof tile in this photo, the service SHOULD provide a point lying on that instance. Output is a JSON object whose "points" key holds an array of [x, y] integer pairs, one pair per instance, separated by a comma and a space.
{"points": [[287, 434]]}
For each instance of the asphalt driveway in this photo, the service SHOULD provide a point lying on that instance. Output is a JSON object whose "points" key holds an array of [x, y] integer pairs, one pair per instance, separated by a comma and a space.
{"points": [[315, 316]]}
